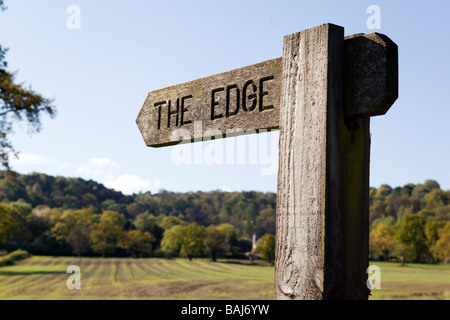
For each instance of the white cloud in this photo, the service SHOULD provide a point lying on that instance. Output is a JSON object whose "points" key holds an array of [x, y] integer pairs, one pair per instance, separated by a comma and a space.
{"points": [[106, 171], [225, 189], [101, 169], [128, 184]]}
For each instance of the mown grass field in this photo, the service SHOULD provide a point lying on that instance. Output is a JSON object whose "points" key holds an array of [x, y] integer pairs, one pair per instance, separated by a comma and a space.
{"points": [[413, 282], [43, 277], [125, 278]]}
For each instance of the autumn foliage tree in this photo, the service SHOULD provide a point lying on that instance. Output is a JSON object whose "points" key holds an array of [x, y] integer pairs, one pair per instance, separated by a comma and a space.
{"points": [[184, 240], [137, 243], [266, 247], [382, 240], [441, 248], [106, 234], [411, 233]]}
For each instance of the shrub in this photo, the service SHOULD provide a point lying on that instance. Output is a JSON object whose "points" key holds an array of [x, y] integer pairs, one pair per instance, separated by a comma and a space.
{"points": [[160, 253], [12, 257]]}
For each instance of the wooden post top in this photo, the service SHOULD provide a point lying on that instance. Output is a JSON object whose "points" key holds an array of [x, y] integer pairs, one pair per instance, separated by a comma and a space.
{"points": [[370, 75]]}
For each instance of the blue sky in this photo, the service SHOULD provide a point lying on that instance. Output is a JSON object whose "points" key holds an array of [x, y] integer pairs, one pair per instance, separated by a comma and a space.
{"points": [[100, 74]]}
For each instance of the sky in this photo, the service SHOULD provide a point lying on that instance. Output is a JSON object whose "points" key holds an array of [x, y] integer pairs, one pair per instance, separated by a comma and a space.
{"points": [[99, 59]]}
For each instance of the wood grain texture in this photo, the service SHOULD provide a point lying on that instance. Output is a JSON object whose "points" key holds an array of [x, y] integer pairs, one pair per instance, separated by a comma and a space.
{"points": [[311, 94], [322, 240]]}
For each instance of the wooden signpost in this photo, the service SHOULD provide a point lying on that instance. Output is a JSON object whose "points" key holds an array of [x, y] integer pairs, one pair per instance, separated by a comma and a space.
{"points": [[320, 95], [224, 104]]}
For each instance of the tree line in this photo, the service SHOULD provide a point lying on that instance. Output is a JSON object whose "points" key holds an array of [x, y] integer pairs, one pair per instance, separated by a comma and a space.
{"points": [[82, 232], [410, 223], [70, 216], [62, 216]]}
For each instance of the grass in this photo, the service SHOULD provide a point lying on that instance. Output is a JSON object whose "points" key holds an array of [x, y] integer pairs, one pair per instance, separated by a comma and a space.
{"points": [[43, 277], [413, 282]]}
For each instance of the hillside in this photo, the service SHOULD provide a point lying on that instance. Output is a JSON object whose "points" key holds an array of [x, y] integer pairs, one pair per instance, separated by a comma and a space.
{"points": [[56, 192], [243, 209], [57, 215]]}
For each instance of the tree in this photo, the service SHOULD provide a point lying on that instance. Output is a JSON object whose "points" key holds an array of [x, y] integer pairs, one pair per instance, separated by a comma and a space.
{"points": [[186, 241], [192, 244], [231, 243], [114, 218], [104, 237], [443, 213], [6, 223], [68, 220], [441, 248], [432, 231], [73, 227], [107, 233], [411, 233], [407, 190], [79, 237], [148, 222], [383, 191], [430, 185], [429, 214], [39, 221], [214, 241], [170, 221], [435, 198], [266, 247], [421, 190], [111, 204], [172, 239], [16, 104], [221, 238], [19, 212], [382, 240], [265, 222], [137, 243], [377, 210]]}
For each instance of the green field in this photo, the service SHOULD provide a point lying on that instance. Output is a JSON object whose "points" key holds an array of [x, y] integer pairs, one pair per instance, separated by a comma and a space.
{"points": [[42, 277], [413, 282]]}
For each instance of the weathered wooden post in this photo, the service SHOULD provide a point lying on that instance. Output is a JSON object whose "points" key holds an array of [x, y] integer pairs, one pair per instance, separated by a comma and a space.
{"points": [[330, 88], [320, 95]]}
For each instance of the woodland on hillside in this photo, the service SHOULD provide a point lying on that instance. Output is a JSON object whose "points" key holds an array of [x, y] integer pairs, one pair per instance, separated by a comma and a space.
{"points": [[71, 216]]}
